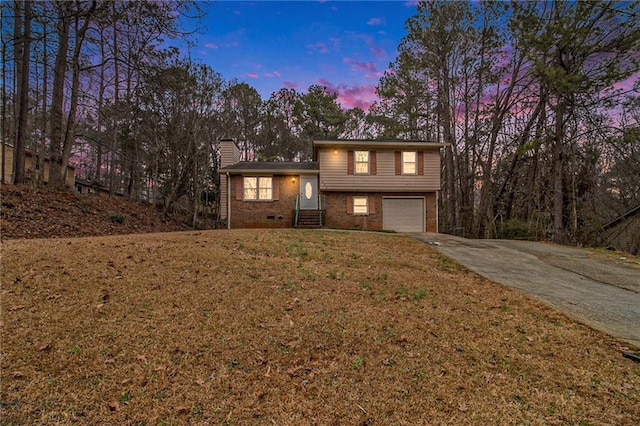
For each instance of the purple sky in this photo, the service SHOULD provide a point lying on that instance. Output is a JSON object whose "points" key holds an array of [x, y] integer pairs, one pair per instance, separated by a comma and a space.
{"points": [[344, 45]]}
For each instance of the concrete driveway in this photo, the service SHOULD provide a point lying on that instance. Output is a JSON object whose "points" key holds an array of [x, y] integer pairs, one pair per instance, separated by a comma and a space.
{"points": [[599, 292]]}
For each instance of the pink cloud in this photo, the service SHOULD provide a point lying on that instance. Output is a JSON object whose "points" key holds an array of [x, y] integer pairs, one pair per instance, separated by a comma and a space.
{"points": [[277, 73], [273, 74], [628, 84], [359, 66], [323, 47], [290, 84], [354, 96], [211, 46], [252, 75], [373, 48]]}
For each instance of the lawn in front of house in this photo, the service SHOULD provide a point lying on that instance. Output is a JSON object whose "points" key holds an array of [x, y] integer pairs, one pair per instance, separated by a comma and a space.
{"points": [[288, 327]]}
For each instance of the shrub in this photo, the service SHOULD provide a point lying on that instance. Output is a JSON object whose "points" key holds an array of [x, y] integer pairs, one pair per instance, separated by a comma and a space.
{"points": [[116, 217], [515, 229]]}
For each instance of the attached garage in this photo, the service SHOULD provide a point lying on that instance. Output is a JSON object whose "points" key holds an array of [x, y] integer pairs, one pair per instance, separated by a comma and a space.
{"points": [[403, 214]]}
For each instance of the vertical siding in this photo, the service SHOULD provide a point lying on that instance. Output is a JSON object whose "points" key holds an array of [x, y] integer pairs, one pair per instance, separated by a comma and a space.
{"points": [[229, 153], [334, 177]]}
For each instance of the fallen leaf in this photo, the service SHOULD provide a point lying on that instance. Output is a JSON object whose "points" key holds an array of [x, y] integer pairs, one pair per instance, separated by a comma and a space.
{"points": [[114, 406], [182, 410], [45, 346], [17, 374], [462, 407], [293, 371], [141, 358], [16, 307]]}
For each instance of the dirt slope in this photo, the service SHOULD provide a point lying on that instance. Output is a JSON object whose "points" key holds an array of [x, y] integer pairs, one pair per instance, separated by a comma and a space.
{"points": [[30, 212]]}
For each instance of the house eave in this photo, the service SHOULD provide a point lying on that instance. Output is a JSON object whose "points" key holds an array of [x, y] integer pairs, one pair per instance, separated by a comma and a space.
{"points": [[372, 144], [378, 191], [284, 172]]}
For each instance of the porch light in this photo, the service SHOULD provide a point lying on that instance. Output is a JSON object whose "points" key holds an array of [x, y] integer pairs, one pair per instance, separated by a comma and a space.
{"points": [[293, 179]]}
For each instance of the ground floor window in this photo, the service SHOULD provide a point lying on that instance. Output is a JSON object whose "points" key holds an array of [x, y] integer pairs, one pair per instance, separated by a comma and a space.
{"points": [[360, 205], [258, 188]]}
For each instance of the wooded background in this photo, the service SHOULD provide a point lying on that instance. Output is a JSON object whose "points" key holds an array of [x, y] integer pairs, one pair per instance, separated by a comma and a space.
{"points": [[538, 101]]}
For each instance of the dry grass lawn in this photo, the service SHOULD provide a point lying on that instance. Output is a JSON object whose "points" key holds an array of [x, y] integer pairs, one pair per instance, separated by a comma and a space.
{"points": [[288, 327]]}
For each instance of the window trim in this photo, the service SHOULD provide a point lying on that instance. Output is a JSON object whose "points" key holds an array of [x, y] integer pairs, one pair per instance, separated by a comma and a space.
{"points": [[404, 163], [356, 162], [257, 188]]}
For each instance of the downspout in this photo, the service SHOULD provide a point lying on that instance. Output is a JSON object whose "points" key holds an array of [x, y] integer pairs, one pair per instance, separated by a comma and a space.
{"points": [[228, 201], [437, 212]]}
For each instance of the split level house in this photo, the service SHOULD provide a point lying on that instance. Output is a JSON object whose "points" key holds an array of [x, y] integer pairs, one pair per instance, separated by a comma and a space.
{"points": [[351, 184]]}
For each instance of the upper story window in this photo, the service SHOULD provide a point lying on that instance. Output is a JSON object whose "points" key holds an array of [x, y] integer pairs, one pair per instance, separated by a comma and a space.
{"points": [[409, 162], [258, 188], [361, 159]]}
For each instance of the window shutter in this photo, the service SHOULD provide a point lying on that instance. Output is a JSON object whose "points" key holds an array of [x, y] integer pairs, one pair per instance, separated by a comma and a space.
{"points": [[275, 187], [349, 204], [373, 163], [398, 163], [421, 163], [238, 180], [350, 162], [372, 204]]}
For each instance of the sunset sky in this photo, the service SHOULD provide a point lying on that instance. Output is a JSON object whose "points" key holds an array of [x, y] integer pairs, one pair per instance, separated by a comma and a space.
{"points": [[344, 45]]}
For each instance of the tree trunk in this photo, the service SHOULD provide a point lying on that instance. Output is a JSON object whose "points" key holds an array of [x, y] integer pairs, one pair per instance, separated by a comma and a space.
{"points": [[4, 103], [445, 117], [62, 131], [116, 101], [69, 137], [100, 112], [558, 163], [56, 169], [41, 146], [23, 96]]}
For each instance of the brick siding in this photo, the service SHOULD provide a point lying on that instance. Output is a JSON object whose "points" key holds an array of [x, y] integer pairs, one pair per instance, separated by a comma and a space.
{"points": [[337, 217], [265, 214]]}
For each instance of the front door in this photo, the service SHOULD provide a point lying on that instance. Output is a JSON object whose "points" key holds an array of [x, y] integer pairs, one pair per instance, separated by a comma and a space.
{"points": [[308, 192]]}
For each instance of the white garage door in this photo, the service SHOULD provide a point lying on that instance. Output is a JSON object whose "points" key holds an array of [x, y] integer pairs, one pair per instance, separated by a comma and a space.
{"points": [[403, 214]]}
